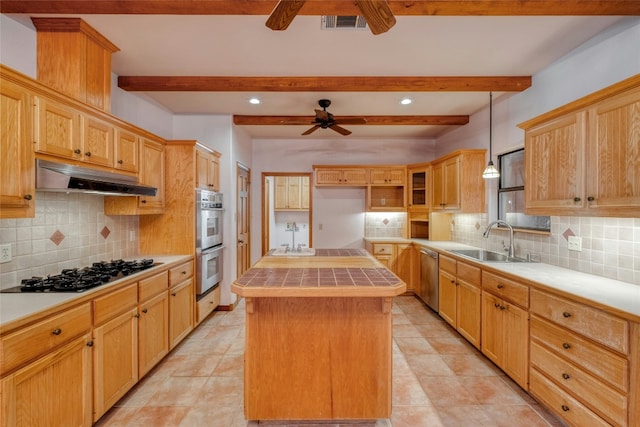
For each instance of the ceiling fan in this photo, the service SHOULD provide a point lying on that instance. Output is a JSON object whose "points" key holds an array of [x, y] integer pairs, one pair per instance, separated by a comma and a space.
{"points": [[326, 120], [377, 13]]}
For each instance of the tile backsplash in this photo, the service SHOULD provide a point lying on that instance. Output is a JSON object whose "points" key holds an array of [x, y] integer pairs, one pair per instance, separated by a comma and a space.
{"points": [[385, 224], [610, 246], [68, 231]]}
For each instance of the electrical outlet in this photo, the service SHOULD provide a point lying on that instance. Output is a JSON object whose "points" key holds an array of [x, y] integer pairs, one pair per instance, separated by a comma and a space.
{"points": [[5, 253], [132, 236], [574, 243], [383, 202]]}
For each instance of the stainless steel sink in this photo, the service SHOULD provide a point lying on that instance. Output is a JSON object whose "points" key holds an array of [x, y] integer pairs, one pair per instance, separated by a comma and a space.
{"points": [[486, 256]]}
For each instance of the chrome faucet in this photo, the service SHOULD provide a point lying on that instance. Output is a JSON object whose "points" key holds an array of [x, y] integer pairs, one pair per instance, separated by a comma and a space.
{"points": [[512, 250]]}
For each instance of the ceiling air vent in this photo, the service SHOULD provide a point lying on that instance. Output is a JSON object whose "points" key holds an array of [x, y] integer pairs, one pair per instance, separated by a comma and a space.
{"points": [[343, 23]]}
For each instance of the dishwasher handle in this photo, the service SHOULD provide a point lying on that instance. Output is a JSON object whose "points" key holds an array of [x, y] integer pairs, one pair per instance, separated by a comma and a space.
{"points": [[427, 252]]}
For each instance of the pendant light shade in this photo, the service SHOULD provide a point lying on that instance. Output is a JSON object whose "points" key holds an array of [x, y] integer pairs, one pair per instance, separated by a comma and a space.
{"points": [[490, 171]]}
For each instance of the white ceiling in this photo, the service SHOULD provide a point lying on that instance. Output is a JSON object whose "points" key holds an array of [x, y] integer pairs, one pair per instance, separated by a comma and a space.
{"points": [[218, 45]]}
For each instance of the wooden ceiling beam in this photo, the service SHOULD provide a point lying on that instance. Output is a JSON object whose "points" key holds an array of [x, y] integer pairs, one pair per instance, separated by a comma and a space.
{"points": [[327, 7], [324, 84], [370, 120]]}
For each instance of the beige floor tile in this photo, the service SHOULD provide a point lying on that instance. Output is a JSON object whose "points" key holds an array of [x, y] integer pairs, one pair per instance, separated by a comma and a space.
{"points": [[415, 416], [407, 330], [411, 345], [465, 416], [451, 345], [470, 365], [491, 391], [428, 365], [514, 415], [178, 391], [446, 391]]}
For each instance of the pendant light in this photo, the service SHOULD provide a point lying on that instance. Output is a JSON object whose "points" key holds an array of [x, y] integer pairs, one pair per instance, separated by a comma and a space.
{"points": [[490, 171]]}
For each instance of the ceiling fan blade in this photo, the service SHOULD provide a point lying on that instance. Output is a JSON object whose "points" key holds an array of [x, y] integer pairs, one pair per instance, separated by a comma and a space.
{"points": [[322, 115], [283, 14], [340, 130], [378, 15], [351, 121], [313, 129]]}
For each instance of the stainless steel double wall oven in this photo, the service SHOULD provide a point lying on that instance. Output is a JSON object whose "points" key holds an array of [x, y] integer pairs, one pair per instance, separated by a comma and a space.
{"points": [[209, 220]]}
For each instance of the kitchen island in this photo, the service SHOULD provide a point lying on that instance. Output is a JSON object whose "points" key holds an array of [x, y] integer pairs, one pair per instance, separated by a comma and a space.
{"points": [[318, 337]]}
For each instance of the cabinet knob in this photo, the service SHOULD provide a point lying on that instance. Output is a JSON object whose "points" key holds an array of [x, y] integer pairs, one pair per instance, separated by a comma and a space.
{"points": [[566, 314], [565, 408], [566, 345], [137, 315], [496, 305], [77, 151], [502, 307], [143, 201], [120, 162], [28, 197], [576, 199], [591, 198], [566, 376], [88, 154], [173, 294], [90, 344], [56, 331], [500, 286], [144, 310]]}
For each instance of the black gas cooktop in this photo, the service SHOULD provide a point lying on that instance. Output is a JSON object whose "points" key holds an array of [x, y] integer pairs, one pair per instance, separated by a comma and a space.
{"points": [[81, 279]]}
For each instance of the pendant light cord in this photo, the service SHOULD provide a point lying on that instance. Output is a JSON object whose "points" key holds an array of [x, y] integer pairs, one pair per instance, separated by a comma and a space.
{"points": [[490, 125]]}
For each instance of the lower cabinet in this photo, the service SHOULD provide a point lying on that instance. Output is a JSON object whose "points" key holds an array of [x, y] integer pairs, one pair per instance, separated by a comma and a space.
{"points": [[397, 257], [153, 334], [459, 297], [181, 302], [207, 304]]}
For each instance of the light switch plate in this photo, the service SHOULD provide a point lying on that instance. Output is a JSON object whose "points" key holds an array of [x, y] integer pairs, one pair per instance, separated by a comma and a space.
{"points": [[575, 243], [5, 253]]}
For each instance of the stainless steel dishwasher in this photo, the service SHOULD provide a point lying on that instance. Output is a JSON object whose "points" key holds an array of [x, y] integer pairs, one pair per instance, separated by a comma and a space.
{"points": [[428, 291]]}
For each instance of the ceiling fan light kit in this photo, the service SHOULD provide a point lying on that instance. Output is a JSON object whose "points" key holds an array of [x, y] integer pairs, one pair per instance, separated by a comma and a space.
{"points": [[326, 120]]}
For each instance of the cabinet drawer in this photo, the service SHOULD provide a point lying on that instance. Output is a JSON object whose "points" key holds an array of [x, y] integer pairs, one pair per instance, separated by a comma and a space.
{"points": [[469, 273], [562, 403], [601, 362], [447, 264], [153, 285], [507, 289], [207, 304], [114, 303], [588, 321], [180, 273], [35, 340], [382, 249], [602, 399]]}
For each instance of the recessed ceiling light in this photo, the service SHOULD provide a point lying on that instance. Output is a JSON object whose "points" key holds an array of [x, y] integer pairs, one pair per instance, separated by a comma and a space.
{"points": [[406, 101], [254, 101]]}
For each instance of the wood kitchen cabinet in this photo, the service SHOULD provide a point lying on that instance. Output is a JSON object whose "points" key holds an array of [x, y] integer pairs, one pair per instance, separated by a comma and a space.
{"points": [[505, 325], [581, 159], [153, 321], [397, 257], [115, 349], [206, 305], [581, 362], [17, 176], [181, 302], [291, 193], [396, 175], [207, 169], [126, 150], [152, 166], [457, 183], [459, 297], [419, 187], [43, 359], [337, 176]]}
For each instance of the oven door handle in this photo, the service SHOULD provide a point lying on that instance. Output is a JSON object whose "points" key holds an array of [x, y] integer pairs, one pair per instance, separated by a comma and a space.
{"points": [[212, 250]]}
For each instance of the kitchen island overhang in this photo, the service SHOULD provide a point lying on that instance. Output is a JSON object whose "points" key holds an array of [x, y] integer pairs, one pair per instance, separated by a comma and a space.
{"points": [[318, 338]]}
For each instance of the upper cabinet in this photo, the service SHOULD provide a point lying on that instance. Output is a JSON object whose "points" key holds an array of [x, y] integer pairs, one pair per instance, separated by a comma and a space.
{"points": [[342, 176], [17, 170], [291, 193], [457, 183], [207, 169], [419, 192], [393, 176], [584, 158], [126, 151]]}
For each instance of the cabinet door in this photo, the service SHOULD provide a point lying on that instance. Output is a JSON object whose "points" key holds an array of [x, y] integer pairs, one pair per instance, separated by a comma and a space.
{"points": [[492, 328], [402, 265], [281, 192], [613, 178], [468, 311], [126, 151], [447, 300], [438, 198], [115, 360], [451, 188], [418, 194], [97, 141], [304, 192], [181, 303], [554, 155], [293, 192], [202, 170], [17, 186], [152, 173], [55, 390], [515, 361], [57, 129], [355, 176], [153, 332], [214, 172], [328, 177], [386, 260]]}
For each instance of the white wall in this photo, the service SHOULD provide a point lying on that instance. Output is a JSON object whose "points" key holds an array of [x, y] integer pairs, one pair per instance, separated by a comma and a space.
{"points": [[339, 210], [20, 53]]}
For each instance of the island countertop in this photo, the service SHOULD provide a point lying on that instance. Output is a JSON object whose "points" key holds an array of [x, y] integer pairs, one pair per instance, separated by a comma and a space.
{"points": [[329, 273]]}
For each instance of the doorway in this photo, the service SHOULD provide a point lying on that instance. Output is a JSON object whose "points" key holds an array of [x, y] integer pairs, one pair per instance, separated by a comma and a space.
{"points": [[286, 210]]}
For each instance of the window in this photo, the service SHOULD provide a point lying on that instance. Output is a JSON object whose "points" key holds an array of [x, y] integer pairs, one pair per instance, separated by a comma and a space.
{"points": [[511, 194]]}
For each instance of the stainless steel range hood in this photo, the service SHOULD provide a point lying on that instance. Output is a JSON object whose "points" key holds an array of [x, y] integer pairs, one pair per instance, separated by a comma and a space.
{"points": [[51, 176]]}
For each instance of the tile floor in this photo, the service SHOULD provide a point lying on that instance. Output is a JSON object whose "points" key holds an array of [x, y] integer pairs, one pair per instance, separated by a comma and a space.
{"points": [[438, 380]]}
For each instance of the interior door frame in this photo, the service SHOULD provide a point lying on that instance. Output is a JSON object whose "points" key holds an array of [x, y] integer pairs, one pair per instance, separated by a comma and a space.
{"points": [[265, 206]]}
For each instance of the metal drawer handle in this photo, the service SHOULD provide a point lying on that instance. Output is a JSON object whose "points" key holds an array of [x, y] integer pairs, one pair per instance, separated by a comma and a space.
{"points": [[500, 286], [566, 314], [566, 376], [565, 408], [56, 331], [566, 345]]}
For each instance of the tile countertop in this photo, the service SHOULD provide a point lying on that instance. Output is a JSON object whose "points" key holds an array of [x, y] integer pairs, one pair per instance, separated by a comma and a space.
{"points": [[617, 297], [19, 306]]}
